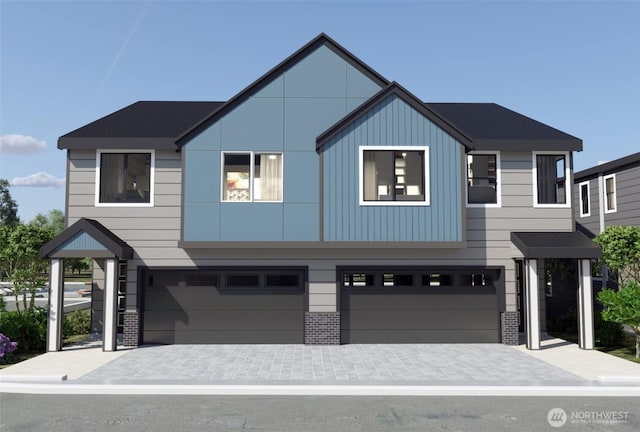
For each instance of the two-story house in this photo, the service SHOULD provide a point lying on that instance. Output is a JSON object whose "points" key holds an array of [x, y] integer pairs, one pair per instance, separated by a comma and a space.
{"points": [[607, 194], [323, 204]]}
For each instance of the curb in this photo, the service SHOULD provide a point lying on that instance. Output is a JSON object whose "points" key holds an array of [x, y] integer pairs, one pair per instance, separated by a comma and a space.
{"points": [[318, 390]]}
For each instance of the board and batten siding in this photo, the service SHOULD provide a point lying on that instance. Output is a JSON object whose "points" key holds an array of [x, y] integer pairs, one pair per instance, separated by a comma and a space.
{"points": [[392, 122]]}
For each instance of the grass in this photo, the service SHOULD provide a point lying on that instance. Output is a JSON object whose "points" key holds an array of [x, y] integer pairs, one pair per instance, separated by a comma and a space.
{"points": [[627, 352]]}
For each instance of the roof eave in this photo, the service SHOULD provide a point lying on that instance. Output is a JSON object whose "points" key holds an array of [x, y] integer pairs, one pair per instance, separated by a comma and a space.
{"points": [[537, 144], [116, 143], [608, 166]]}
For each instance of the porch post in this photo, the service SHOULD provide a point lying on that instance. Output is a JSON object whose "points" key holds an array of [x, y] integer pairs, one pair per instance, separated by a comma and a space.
{"points": [[532, 304], [56, 303], [109, 336], [585, 305]]}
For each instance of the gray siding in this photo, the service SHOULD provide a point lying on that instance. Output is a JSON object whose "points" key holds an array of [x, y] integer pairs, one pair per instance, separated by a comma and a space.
{"points": [[628, 196], [591, 222]]}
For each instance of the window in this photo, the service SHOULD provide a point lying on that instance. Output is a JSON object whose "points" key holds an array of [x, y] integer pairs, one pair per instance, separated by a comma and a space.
{"points": [[585, 207], [397, 279], [551, 172], [252, 177], [394, 176], [483, 183], [124, 179], [610, 200], [436, 279], [357, 279], [477, 279]]}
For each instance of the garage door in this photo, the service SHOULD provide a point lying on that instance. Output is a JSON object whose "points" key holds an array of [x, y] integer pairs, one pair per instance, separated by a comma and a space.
{"points": [[419, 305], [223, 306]]}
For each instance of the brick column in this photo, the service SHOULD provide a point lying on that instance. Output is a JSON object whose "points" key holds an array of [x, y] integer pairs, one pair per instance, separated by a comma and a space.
{"points": [[509, 328], [131, 329], [322, 328]]}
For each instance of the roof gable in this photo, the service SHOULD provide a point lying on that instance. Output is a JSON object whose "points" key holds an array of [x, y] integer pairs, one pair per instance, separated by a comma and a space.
{"points": [[86, 237], [393, 89], [270, 76]]}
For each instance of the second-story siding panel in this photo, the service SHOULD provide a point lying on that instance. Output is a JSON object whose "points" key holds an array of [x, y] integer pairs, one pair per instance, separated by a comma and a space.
{"points": [[392, 122], [627, 198], [284, 117]]}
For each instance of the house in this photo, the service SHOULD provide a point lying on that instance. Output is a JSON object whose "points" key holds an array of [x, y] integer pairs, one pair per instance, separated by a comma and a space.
{"points": [[607, 194], [322, 204]]}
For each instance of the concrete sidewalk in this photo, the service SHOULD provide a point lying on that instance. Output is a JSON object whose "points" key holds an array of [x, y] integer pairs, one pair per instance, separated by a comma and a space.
{"points": [[560, 368]]}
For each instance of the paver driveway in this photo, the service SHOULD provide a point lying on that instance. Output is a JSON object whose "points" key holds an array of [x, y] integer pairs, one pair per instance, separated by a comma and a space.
{"points": [[424, 364]]}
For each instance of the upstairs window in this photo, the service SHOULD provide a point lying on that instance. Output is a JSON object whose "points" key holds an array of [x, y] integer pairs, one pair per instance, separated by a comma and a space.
{"points": [[394, 176], [585, 204], [124, 179], [610, 200], [550, 182], [483, 183], [251, 177]]}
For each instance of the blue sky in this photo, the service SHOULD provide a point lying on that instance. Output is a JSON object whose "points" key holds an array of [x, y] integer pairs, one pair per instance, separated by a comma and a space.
{"points": [[573, 65]]}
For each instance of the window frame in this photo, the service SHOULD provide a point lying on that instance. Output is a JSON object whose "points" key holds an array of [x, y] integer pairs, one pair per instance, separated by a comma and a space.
{"points": [[252, 164], [611, 176], [498, 202], [567, 179], [426, 186], [152, 172], [581, 201]]}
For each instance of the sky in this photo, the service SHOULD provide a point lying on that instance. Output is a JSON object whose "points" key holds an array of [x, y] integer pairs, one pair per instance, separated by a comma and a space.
{"points": [[574, 65]]}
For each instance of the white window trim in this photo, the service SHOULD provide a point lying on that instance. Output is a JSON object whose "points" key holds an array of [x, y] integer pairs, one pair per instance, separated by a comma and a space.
{"points": [[615, 193], [427, 195], [498, 202], [251, 176], [152, 182], [567, 176], [580, 202]]}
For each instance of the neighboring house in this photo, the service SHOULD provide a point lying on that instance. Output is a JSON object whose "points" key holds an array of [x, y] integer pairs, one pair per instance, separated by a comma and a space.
{"points": [[607, 194], [322, 204]]}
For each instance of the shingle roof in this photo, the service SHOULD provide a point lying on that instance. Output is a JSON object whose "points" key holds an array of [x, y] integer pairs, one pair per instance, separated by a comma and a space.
{"points": [[614, 165], [393, 89], [145, 124], [494, 127]]}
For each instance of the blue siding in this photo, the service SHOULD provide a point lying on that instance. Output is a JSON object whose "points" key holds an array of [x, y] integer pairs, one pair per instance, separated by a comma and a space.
{"points": [[395, 123], [285, 116], [82, 241]]}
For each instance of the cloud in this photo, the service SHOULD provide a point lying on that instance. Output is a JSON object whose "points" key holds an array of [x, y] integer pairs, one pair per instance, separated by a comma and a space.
{"points": [[41, 180], [20, 144]]}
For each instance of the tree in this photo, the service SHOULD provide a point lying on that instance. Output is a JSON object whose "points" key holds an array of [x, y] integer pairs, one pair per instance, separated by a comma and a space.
{"points": [[8, 207], [21, 245], [623, 307], [54, 220], [621, 251]]}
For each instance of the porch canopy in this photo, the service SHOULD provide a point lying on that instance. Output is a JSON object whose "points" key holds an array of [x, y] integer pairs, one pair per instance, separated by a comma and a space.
{"points": [[569, 245], [85, 238]]}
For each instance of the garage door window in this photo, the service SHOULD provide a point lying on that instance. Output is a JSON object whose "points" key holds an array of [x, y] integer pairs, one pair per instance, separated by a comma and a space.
{"points": [[283, 280], [477, 279], [243, 281], [358, 280], [397, 279], [436, 280]]}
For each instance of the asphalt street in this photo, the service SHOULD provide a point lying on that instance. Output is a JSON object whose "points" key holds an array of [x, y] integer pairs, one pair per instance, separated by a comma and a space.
{"points": [[22, 413]]}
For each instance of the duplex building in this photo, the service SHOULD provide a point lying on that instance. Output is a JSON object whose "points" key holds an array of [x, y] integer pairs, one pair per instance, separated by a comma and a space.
{"points": [[323, 204]]}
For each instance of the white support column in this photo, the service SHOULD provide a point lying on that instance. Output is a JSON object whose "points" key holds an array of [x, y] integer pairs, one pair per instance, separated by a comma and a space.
{"points": [[585, 305], [532, 298], [56, 303], [109, 336]]}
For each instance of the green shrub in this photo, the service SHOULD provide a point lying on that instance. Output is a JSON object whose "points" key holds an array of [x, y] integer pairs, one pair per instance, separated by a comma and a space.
{"points": [[608, 334], [27, 327], [77, 322]]}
